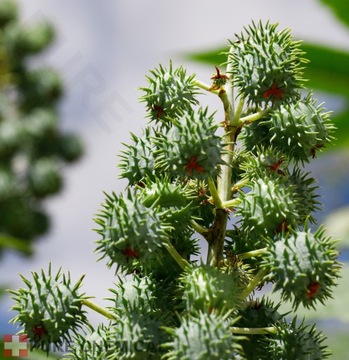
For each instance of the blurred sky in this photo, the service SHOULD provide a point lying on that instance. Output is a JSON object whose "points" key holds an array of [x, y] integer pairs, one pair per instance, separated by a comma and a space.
{"points": [[103, 51]]}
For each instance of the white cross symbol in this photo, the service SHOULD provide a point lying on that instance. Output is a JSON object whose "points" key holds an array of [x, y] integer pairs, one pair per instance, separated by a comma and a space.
{"points": [[15, 345]]}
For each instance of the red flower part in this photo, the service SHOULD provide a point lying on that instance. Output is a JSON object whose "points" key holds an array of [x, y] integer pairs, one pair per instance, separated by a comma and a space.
{"points": [[193, 165], [39, 331], [159, 111], [130, 253], [312, 290], [274, 92]]}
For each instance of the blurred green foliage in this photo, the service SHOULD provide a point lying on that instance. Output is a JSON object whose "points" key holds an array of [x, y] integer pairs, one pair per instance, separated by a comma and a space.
{"points": [[33, 149]]}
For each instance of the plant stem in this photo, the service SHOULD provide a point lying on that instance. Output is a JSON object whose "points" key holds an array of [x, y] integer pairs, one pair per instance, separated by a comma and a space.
{"points": [[254, 283], [174, 253], [231, 203], [205, 86], [98, 309], [254, 331], [198, 228], [252, 253], [217, 201], [253, 117]]}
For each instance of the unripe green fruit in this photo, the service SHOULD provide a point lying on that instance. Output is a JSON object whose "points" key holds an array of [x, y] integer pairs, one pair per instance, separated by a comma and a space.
{"points": [[131, 233], [303, 266], [40, 122], [268, 207], [170, 93], [203, 336], [208, 289], [49, 308], [294, 341], [266, 65], [191, 148]]}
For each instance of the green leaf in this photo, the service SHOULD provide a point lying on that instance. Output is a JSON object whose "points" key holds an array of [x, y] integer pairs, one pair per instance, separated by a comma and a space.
{"points": [[340, 8]]}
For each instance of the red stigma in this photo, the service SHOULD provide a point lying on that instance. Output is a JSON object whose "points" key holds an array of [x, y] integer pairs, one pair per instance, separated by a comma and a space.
{"points": [[193, 165], [274, 92], [312, 290], [130, 253], [39, 331]]}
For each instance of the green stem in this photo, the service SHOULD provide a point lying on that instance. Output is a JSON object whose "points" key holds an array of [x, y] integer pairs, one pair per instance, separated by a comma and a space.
{"points": [[240, 184], [205, 86], [254, 331], [98, 309], [253, 117], [238, 110], [231, 203], [198, 228], [254, 283], [252, 253], [174, 253], [217, 201]]}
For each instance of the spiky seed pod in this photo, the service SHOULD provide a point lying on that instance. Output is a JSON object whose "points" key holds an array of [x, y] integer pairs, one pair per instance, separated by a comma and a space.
{"points": [[49, 309], [93, 346], [203, 336], [134, 295], [268, 162], [170, 93], [208, 289], [259, 313], [305, 188], [136, 336], [255, 135], [303, 266], [268, 207], [172, 198], [300, 129], [137, 161], [131, 233], [44, 177], [296, 341], [191, 148], [266, 65]]}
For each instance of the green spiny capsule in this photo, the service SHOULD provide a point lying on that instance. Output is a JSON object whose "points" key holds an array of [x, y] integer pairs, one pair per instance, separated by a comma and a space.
{"points": [[136, 336], [268, 208], [131, 233], [303, 266], [191, 148], [137, 160], [300, 129], [93, 346], [266, 65], [203, 336], [134, 295], [8, 12], [295, 341], [49, 309], [209, 289], [170, 92]]}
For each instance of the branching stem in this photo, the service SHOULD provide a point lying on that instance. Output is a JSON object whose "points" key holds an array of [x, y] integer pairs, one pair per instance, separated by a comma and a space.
{"points": [[174, 253], [254, 331], [254, 283], [252, 253], [253, 117], [98, 309]]}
